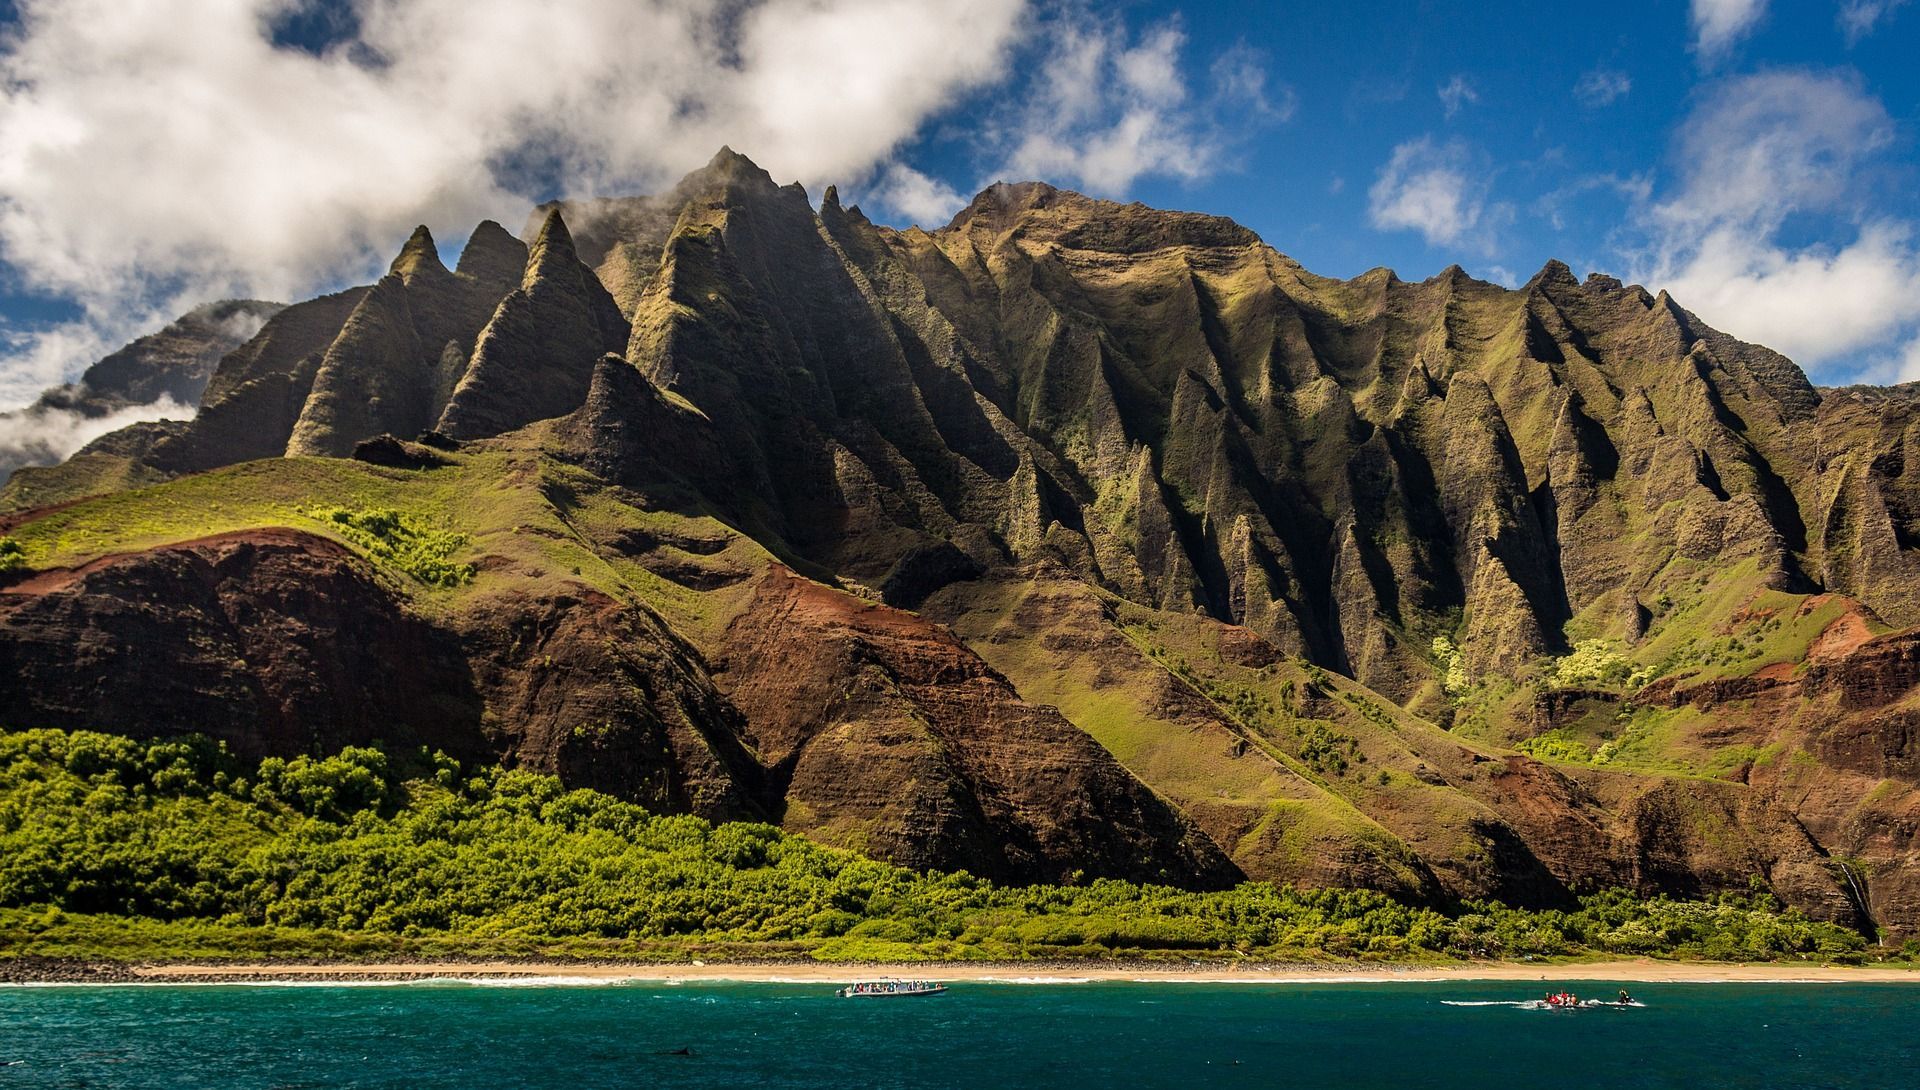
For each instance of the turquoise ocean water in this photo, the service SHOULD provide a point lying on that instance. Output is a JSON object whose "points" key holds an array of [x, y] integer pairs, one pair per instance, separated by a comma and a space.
{"points": [[576, 1037]]}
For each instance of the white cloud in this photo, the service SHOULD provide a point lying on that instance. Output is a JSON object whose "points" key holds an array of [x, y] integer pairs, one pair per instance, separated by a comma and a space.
{"points": [[1813, 304], [157, 154], [1454, 94], [1602, 87], [1900, 363], [1859, 18], [1909, 363], [1758, 151], [1761, 147], [1240, 81], [32, 360], [1439, 190], [925, 201], [1108, 107], [1718, 24], [47, 436]]}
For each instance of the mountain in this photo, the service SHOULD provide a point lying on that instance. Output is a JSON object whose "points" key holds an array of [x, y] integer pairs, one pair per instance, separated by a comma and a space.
{"points": [[1071, 537], [168, 369]]}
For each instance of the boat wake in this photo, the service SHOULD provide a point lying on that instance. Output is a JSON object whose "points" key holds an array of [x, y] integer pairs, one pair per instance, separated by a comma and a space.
{"points": [[1543, 1005]]}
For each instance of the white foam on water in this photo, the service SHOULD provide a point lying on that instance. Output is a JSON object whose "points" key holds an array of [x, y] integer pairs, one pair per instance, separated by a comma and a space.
{"points": [[540, 981], [395, 982], [1036, 979]]}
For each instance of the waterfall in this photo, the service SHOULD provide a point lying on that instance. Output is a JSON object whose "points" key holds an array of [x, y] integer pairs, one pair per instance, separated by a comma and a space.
{"points": [[1859, 896]]}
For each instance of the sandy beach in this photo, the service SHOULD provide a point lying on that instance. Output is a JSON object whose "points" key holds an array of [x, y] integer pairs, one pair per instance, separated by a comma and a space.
{"points": [[1199, 973]]}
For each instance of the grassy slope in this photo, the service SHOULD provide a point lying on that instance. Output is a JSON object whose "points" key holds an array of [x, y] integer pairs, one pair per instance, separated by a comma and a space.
{"points": [[530, 523], [1336, 770]]}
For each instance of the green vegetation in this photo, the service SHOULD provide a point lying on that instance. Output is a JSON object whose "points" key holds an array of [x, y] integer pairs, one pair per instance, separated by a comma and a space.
{"points": [[117, 848], [1596, 663], [1557, 745], [1318, 743], [1454, 678], [12, 555], [402, 542], [545, 521]]}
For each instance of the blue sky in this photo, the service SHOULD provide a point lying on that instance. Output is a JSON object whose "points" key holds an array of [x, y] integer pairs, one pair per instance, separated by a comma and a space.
{"points": [[1758, 157]]}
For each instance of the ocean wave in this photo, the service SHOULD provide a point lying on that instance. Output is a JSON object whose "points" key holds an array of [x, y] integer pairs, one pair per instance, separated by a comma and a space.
{"points": [[1036, 980], [396, 982]]}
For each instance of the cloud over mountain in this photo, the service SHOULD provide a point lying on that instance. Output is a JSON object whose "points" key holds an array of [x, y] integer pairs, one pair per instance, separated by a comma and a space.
{"points": [[1758, 151], [162, 153]]}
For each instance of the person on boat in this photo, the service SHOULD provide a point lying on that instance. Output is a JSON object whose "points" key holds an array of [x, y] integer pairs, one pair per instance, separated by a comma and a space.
{"points": [[1624, 997]]}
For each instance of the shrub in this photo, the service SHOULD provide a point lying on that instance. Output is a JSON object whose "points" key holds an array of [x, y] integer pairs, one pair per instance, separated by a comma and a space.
{"points": [[103, 840], [401, 542], [1453, 669], [13, 556], [1556, 745], [1596, 662]]}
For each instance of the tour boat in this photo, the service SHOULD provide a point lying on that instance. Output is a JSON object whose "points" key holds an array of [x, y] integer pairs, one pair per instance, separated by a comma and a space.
{"points": [[890, 989]]}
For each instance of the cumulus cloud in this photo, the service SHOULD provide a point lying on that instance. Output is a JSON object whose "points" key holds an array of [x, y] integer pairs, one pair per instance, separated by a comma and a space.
{"points": [[1718, 24], [1909, 363], [157, 154], [1437, 189], [1757, 152], [1602, 87], [1813, 304], [1454, 94], [1759, 148], [925, 201], [1110, 106], [1859, 18]]}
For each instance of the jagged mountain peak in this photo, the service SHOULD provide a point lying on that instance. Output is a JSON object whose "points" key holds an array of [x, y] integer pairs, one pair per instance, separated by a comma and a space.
{"points": [[418, 258], [1555, 273], [551, 252], [1042, 213], [728, 178], [727, 161], [493, 255]]}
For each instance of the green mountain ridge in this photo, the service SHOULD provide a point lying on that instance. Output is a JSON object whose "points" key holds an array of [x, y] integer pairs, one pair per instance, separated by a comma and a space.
{"points": [[1072, 536]]}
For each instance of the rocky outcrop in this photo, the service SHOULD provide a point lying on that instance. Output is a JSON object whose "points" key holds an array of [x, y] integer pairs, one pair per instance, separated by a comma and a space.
{"points": [[258, 391], [273, 642], [326, 374], [887, 735]]}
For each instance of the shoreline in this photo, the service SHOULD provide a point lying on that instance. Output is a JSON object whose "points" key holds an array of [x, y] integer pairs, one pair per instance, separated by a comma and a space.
{"points": [[1643, 971]]}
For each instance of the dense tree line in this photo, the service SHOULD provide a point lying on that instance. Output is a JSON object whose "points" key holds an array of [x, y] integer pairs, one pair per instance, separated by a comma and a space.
{"points": [[412, 847]]}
